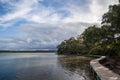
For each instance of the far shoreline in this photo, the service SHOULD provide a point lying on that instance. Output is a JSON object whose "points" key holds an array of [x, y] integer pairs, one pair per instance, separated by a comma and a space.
{"points": [[35, 51]]}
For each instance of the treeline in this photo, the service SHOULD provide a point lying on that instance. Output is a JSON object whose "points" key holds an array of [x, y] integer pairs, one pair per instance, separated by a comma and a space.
{"points": [[99, 40]]}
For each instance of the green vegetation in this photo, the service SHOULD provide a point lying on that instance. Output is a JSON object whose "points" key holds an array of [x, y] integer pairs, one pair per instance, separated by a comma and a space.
{"points": [[103, 40]]}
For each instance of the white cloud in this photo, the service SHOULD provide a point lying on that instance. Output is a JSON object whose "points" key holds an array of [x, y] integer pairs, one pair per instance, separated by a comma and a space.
{"points": [[96, 8], [99, 7], [18, 14], [46, 26], [40, 36], [35, 11]]}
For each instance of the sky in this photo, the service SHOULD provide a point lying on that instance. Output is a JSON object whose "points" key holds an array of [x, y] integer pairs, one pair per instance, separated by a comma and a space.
{"points": [[43, 24]]}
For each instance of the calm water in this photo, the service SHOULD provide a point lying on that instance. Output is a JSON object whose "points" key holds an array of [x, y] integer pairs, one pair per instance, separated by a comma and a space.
{"points": [[42, 66]]}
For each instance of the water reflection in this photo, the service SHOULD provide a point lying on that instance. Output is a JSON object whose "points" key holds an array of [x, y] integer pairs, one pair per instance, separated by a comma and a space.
{"points": [[75, 65], [42, 67]]}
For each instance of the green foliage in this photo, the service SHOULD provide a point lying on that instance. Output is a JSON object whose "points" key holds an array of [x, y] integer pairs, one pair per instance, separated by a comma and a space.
{"points": [[92, 36], [98, 50], [104, 40], [70, 46], [111, 27]]}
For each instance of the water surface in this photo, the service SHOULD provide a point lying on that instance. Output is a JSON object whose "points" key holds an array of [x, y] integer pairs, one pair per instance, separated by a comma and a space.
{"points": [[42, 66]]}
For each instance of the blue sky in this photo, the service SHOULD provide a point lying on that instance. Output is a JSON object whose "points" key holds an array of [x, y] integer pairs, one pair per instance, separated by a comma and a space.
{"points": [[43, 24]]}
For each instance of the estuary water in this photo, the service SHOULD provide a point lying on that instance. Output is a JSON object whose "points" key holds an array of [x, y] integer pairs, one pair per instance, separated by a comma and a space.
{"points": [[43, 66]]}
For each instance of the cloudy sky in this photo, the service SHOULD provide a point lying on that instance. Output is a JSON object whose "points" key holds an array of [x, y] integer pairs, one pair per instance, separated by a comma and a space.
{"points": [[43, 24]]}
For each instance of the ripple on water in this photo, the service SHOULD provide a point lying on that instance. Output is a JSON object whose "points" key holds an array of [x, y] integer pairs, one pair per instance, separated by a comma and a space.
{"points": [[33, 66]]}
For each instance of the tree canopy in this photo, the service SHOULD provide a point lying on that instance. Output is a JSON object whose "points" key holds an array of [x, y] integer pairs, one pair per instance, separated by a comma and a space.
{"points": [[103, 40]]}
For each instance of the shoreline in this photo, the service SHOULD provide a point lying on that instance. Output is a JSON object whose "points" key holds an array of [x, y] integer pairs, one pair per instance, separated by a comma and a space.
{"points": [[100, 72]]}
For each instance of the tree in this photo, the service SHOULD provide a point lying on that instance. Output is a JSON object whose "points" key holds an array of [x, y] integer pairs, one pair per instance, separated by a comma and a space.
{"points": [[61, 47], [103, 40], [71, 46], [112, 19], [92, 36], [111, 24]]}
